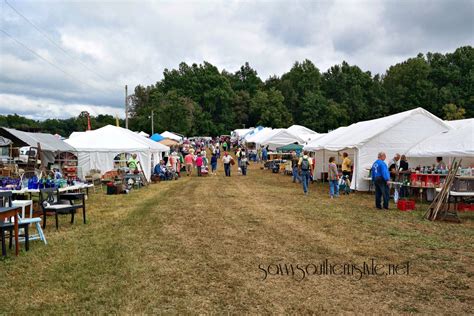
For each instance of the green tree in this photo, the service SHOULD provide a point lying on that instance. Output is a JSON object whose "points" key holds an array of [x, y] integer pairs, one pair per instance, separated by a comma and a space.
{"points": [[267, 109], [452, 112], [302, 78]]}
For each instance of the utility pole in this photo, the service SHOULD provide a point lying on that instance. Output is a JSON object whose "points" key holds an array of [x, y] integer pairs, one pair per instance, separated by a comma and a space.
{"points": [[152, 124], [126, 107]]}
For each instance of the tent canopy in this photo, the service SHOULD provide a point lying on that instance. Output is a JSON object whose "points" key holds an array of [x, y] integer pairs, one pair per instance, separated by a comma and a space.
{"points": [[156, 137], [257, 135], [280, 137], [170, 135], [48, 142], [98, 149], [113, 138], [142, 133], [290, 147], [459, 123], [457, 142], [304, 133], [357, 134]]}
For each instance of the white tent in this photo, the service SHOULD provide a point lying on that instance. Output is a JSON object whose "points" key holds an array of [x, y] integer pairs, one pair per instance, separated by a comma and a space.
{"points": [[258, 135], [279, 137], [142, 133], [241, 132], [303, 132], [172, 136], [458, 142], [459, 123], [392, 134], [97, 149]]}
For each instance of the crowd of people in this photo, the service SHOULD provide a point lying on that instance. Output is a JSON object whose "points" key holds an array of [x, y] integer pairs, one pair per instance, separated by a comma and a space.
{"points": [[190, 158]]}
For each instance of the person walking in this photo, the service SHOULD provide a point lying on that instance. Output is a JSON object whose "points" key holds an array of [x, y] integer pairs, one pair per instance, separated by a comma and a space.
{"points": [[199, 163], [227, 160], [380, 177], [294, 167], [243, 162], [304, 165], [333, 178], [189, 160], [214, 163]]}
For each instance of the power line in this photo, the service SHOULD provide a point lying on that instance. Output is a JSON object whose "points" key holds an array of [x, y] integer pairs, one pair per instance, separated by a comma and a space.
{"points": [[54, 43], [46, 60]]}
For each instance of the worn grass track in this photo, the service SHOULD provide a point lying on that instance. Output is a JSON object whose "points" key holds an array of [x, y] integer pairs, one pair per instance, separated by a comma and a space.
{"points": [[194, 245]]}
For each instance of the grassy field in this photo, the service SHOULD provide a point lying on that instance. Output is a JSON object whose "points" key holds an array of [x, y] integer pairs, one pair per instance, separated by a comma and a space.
{"points": [[195, 245]]}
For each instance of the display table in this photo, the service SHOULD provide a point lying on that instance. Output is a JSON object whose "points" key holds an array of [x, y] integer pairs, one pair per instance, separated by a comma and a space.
{"points": [[457, 196], [75, 187]]}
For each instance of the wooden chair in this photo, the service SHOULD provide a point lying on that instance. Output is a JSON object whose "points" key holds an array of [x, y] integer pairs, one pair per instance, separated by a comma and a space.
{"points": [[8, 225], [30, 219], [53, 202]]}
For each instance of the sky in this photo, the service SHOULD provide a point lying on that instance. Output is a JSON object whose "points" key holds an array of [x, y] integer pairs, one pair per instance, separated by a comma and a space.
{"points": [[59, 58]]}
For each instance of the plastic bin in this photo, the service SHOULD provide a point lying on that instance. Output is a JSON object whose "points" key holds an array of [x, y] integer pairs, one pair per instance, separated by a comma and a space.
{"points": [[406, 205]]}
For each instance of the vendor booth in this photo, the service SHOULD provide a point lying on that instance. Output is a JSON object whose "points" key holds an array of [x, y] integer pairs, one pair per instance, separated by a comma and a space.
{"points": [[364, 140], [457, 142], [278, 138], [98, 149], [51, 146]]}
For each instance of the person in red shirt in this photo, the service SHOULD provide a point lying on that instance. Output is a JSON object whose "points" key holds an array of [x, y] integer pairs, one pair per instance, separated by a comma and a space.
{"points": [[199, 162], [189, 161]]}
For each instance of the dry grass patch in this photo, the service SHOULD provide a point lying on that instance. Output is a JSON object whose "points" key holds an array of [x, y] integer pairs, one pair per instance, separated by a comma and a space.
{"points": [[194, 245]]}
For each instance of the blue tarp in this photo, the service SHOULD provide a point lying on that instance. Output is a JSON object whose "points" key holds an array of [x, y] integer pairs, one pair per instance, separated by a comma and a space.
{"points": [[156, 137]]}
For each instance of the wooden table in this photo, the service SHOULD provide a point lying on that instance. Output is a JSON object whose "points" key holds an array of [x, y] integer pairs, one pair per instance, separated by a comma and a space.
{"points": [[6, 212]]}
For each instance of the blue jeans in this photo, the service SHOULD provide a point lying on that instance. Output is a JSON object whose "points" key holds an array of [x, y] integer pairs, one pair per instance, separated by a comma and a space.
{"points": [[227, 169], [381, 190], [244, 170], [333, 188], [213, 166], [305, 175], [296, 176]]}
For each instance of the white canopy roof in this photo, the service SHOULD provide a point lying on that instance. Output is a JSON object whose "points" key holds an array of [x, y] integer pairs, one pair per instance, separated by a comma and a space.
{"points": [[241, 132], [258, 135], [280, 137], [142, 133], [356, 135], [113, 138], [170, 135], [459, 123], [304, 133], [458, 142]]}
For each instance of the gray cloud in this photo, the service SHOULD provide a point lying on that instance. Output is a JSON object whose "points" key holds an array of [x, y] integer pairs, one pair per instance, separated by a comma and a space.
{"points": [[130, 42]]}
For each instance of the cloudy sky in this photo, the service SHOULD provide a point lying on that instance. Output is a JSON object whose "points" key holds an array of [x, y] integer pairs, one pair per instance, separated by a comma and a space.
{"points": [[78, 55]]}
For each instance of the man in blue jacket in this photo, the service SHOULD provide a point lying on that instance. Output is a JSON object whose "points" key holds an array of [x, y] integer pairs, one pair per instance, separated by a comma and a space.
{"points": [[380, 177]]}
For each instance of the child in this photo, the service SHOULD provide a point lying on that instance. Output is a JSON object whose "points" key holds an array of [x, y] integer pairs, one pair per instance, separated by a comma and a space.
{"points": [[333, 178], [214, 163]]}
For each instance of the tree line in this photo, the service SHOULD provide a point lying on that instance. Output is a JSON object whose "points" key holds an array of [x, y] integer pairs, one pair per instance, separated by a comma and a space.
{"points": [[201, 100]]}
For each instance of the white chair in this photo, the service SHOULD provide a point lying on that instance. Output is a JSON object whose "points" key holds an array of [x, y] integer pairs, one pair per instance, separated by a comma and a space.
{"points": [[30, 220]]}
